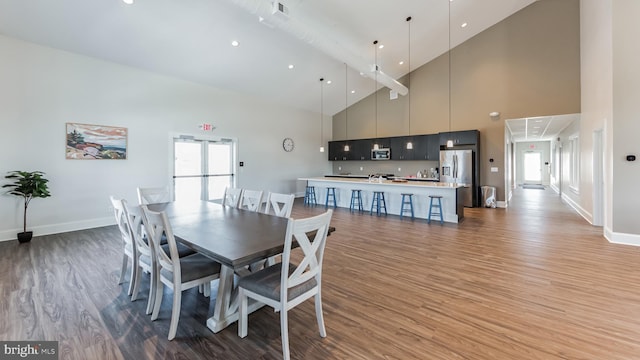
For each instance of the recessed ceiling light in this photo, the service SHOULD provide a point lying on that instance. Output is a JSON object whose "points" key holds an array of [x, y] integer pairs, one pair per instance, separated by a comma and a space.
{"points": [[235, 43], [380, 46], [353, 91], [401, 63], [464, 25], [290, 66], [328, 82], [128, 2]]}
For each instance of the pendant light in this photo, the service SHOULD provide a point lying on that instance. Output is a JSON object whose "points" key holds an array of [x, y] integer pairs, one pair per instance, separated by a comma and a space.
{"points": [[321, 114], [375, 91], [409, 143], [449, 142], [346, 108]]}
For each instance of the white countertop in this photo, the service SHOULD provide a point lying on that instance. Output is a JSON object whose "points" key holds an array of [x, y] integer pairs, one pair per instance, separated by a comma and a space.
{"points": [[386, 182]]}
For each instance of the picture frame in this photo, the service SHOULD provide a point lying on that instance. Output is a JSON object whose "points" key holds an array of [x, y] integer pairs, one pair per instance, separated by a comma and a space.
{"points": [[95, 142]]}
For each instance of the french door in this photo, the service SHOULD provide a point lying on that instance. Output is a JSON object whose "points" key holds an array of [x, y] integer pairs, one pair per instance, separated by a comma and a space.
{"points": [[202, 168]]}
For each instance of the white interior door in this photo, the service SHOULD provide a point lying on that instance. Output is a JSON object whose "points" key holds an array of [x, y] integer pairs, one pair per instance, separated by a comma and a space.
{"points": [[202, 168], [532, 168]]}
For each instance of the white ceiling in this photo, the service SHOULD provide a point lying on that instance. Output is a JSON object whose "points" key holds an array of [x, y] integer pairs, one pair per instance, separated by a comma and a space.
{"points": [[190, 39], [542, 128]]}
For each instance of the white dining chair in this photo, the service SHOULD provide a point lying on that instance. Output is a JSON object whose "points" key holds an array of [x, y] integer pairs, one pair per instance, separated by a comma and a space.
{"points": [[285, 285], [251, 200], [232, 197], [176, 273], [279, 204], [147, 259], [153, 195], [129, 250]]}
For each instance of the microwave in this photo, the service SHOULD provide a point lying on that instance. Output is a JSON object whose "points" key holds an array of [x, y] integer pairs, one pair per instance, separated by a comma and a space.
{"points": [[381, 154]]}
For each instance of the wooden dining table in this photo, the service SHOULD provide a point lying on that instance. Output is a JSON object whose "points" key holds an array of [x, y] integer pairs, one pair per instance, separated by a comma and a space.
{"points": [[233, 237]]}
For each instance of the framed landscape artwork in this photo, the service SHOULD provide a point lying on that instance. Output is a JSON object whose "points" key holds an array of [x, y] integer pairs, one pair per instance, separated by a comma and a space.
{"points": [[96, 142]]}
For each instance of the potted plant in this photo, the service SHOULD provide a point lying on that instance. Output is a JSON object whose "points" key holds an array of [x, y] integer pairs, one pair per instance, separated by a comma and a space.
{"points": [[28, 185]]}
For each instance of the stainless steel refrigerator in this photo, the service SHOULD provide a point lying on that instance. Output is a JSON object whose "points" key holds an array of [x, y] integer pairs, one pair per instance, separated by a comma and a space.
{"points": [[456, 166]]}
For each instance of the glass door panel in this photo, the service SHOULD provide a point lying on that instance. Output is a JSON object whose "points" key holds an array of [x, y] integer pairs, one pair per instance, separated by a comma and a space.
{"points": [[532, 168], [220, 165], [187, 169]]}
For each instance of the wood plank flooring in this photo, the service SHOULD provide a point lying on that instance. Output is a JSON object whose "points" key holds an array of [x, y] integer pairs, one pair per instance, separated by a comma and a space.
{"points": [[534, 281]]}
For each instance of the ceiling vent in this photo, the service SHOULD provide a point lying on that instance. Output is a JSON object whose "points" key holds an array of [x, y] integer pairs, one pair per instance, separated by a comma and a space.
{"points": [[280, 10]]}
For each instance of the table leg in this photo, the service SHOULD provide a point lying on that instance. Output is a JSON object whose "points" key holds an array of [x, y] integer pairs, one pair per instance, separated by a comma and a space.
{"points": [[226, 307]]}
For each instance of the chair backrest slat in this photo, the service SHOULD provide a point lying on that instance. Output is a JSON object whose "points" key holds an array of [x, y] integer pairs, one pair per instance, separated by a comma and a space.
{"points": [[279, 204], [153, 195], [121, 220], [313, 250], [138, 232], [158, 224], [232, 197], [251, 200]]}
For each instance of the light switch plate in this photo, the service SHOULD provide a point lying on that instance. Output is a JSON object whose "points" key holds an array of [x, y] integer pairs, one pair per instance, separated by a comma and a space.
{"points": [[494, 169]]}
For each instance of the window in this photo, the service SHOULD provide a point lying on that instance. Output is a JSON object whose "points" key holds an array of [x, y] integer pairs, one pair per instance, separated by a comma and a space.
{"points": [[574, 163]]}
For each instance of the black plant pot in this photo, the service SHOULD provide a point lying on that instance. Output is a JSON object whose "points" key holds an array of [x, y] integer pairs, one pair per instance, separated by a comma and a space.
{"points": [[24, 237]]}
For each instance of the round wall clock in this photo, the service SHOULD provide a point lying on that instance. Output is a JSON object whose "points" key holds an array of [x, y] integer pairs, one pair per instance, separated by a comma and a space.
{"points": [[287, 144]]}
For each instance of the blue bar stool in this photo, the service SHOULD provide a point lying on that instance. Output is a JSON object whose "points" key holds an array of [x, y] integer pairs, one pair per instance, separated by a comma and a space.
{"points": [[310, 196], [356, 200], [331, 195], [378, 202], [407, 199], [438, 206]]}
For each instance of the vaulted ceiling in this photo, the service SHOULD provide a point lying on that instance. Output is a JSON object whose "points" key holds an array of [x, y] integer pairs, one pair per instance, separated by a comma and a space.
{"points": [[191, 39]]}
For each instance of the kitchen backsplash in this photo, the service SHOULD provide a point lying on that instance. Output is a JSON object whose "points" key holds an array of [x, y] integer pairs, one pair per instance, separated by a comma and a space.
{"points": [[398, 168]]}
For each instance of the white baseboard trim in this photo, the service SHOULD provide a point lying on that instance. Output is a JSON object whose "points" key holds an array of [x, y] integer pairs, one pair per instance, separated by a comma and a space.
{"points": [[622, 238], [584, 213], [7, 235]]}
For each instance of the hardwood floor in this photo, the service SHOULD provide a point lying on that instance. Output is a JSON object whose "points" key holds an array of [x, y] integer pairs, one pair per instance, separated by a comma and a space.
{"points": [[534, 281]]}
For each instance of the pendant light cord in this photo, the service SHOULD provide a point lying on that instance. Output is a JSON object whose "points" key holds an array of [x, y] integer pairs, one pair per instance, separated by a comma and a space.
{"points": [[449, 56], [375, 85], [321, 111], [409, 74], [346, 102]]}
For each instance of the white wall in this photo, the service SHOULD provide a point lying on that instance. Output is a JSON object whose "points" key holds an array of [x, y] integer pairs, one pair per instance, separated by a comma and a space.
{"points": [[596, 83], [610, 91], [42, 88], [626, 127]]}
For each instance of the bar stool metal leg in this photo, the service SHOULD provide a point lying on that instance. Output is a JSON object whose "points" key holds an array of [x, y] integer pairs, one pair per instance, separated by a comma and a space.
{"points": [[310, 196], [331, 195], [356, 200], [407, 199], [437, 206], [378, 202]]}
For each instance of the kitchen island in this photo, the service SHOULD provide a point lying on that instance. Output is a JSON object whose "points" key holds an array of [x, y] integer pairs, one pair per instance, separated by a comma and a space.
{"points": [[452, 202]]}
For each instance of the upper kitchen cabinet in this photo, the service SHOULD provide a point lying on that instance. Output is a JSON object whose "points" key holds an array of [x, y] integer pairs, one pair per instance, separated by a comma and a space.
{"points": [[467, 137], [426, 147], [361, 149], [358, 150], [399, 149], [336, 151]]}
